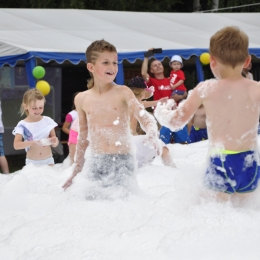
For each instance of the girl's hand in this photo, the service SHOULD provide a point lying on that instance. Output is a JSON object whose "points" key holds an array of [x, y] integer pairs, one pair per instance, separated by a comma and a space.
{"points": [[44, 142], [54, 141], [163, 100]]}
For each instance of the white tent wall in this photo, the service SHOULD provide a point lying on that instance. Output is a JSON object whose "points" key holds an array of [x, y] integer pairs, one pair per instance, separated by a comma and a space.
{"points": [[42, 36]]}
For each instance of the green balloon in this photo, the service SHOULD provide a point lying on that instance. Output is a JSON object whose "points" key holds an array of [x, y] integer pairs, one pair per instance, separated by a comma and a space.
{"points": [[38, 72]]}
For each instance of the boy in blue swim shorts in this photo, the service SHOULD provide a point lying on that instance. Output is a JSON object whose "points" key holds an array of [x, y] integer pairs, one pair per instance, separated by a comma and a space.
{"points": [[232, 108], [233, 172], [197, 125]]}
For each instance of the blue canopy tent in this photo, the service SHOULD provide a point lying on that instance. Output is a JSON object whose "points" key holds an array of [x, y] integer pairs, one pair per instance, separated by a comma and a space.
{"points": [[63, 35]]}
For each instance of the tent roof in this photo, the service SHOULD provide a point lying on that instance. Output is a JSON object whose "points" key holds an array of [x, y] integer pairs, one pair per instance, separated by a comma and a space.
{"points": [[64, 34]]}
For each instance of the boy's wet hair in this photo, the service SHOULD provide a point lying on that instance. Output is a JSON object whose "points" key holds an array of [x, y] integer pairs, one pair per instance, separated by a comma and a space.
{"points": [[229, 46], [29, 96], [92, 53]]}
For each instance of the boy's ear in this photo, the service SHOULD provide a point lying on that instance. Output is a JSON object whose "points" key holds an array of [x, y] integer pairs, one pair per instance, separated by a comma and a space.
{"points": [[90, 67], [212, 61], [247, 62]]}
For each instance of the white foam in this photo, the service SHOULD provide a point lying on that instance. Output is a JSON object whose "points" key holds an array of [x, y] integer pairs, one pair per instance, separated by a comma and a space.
{"points": [[170, 215], [45, 141]]}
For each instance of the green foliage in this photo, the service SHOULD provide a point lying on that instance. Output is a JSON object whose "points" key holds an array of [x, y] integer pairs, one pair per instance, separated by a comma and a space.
{"points": [[131, 5]]}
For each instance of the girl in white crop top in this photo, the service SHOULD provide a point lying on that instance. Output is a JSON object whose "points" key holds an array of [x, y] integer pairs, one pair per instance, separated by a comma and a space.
{"points": [[35, 133]]}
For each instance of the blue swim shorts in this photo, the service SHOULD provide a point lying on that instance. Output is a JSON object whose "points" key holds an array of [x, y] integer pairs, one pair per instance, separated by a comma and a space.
{"points": [[198, 134], [181, 136], [178, 92], [229, 173]]}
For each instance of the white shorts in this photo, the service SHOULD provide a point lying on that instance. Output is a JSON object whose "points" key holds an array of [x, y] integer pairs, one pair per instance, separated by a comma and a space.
{"points": [[47, 161]]}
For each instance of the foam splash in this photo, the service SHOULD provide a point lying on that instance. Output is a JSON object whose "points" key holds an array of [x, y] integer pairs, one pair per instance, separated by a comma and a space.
{"points": [[116, 122]]}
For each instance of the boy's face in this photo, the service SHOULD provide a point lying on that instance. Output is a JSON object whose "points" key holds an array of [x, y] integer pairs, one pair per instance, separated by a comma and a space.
{"points": [[105, 67], [176, 65]]}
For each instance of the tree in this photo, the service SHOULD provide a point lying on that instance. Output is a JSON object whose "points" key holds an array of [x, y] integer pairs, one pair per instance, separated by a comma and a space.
{"points": [[135, 5]]}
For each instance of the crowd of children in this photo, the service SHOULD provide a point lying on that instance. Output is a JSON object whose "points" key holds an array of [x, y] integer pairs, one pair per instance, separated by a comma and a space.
{"points": [[105, 118]]}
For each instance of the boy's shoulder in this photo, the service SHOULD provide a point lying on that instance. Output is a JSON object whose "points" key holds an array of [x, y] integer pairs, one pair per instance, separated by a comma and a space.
{"points": [[121, 88]]}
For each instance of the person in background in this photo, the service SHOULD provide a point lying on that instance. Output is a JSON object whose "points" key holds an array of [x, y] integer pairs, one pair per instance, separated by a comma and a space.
{"points": [[145, 154], [141, 92], [35, 133], [73, 139], [197, 127], [177, 76], [246, 71], [70, 117], [163, 89], [3, 161]]}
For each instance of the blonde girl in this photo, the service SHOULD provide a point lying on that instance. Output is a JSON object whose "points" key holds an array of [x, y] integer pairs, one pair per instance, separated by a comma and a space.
{"points": [[36, 132]]}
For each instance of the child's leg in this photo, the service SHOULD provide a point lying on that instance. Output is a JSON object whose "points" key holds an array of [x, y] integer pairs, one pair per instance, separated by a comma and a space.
{"points": [[166, 157], [4, 164]]}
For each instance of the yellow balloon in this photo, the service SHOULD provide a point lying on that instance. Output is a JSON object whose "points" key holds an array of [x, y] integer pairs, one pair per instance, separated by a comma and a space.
{"points": [[43, 86], [204, 58]]}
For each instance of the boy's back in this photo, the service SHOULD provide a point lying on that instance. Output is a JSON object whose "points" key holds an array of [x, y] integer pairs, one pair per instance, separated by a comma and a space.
{"points": [[232, 108]]}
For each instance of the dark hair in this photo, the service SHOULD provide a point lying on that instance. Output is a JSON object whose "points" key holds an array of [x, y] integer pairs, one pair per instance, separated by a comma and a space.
{"points": [[137, 82]]}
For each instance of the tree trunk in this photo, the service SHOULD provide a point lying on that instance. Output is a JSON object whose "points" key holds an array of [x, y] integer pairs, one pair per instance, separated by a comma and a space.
{"points": [[215, 6], [196, 5]]}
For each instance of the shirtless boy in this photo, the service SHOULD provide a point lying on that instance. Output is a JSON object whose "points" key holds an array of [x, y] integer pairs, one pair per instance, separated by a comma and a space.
{"points": [[232, 105], [103, 112]]}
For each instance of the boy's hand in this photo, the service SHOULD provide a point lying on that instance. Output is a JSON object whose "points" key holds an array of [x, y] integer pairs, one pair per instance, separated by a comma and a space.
{"points": [[163, 100], [153, 143], [67, 183], [162, 110]]}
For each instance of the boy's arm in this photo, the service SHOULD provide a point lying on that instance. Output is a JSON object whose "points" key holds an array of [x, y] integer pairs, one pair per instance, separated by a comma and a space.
{"points": [[153, 103], [174, 86], [144, 70], [133, 126], [146, 120], [178, 118], [82, 142]]}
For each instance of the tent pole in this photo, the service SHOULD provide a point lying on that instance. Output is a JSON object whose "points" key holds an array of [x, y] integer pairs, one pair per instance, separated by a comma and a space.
{"points": [[199, 69], [120, 80], [29, 65]]}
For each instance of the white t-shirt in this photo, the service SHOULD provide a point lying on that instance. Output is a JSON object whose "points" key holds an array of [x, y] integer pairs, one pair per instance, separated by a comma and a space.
{"points": [[35, 130]]}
